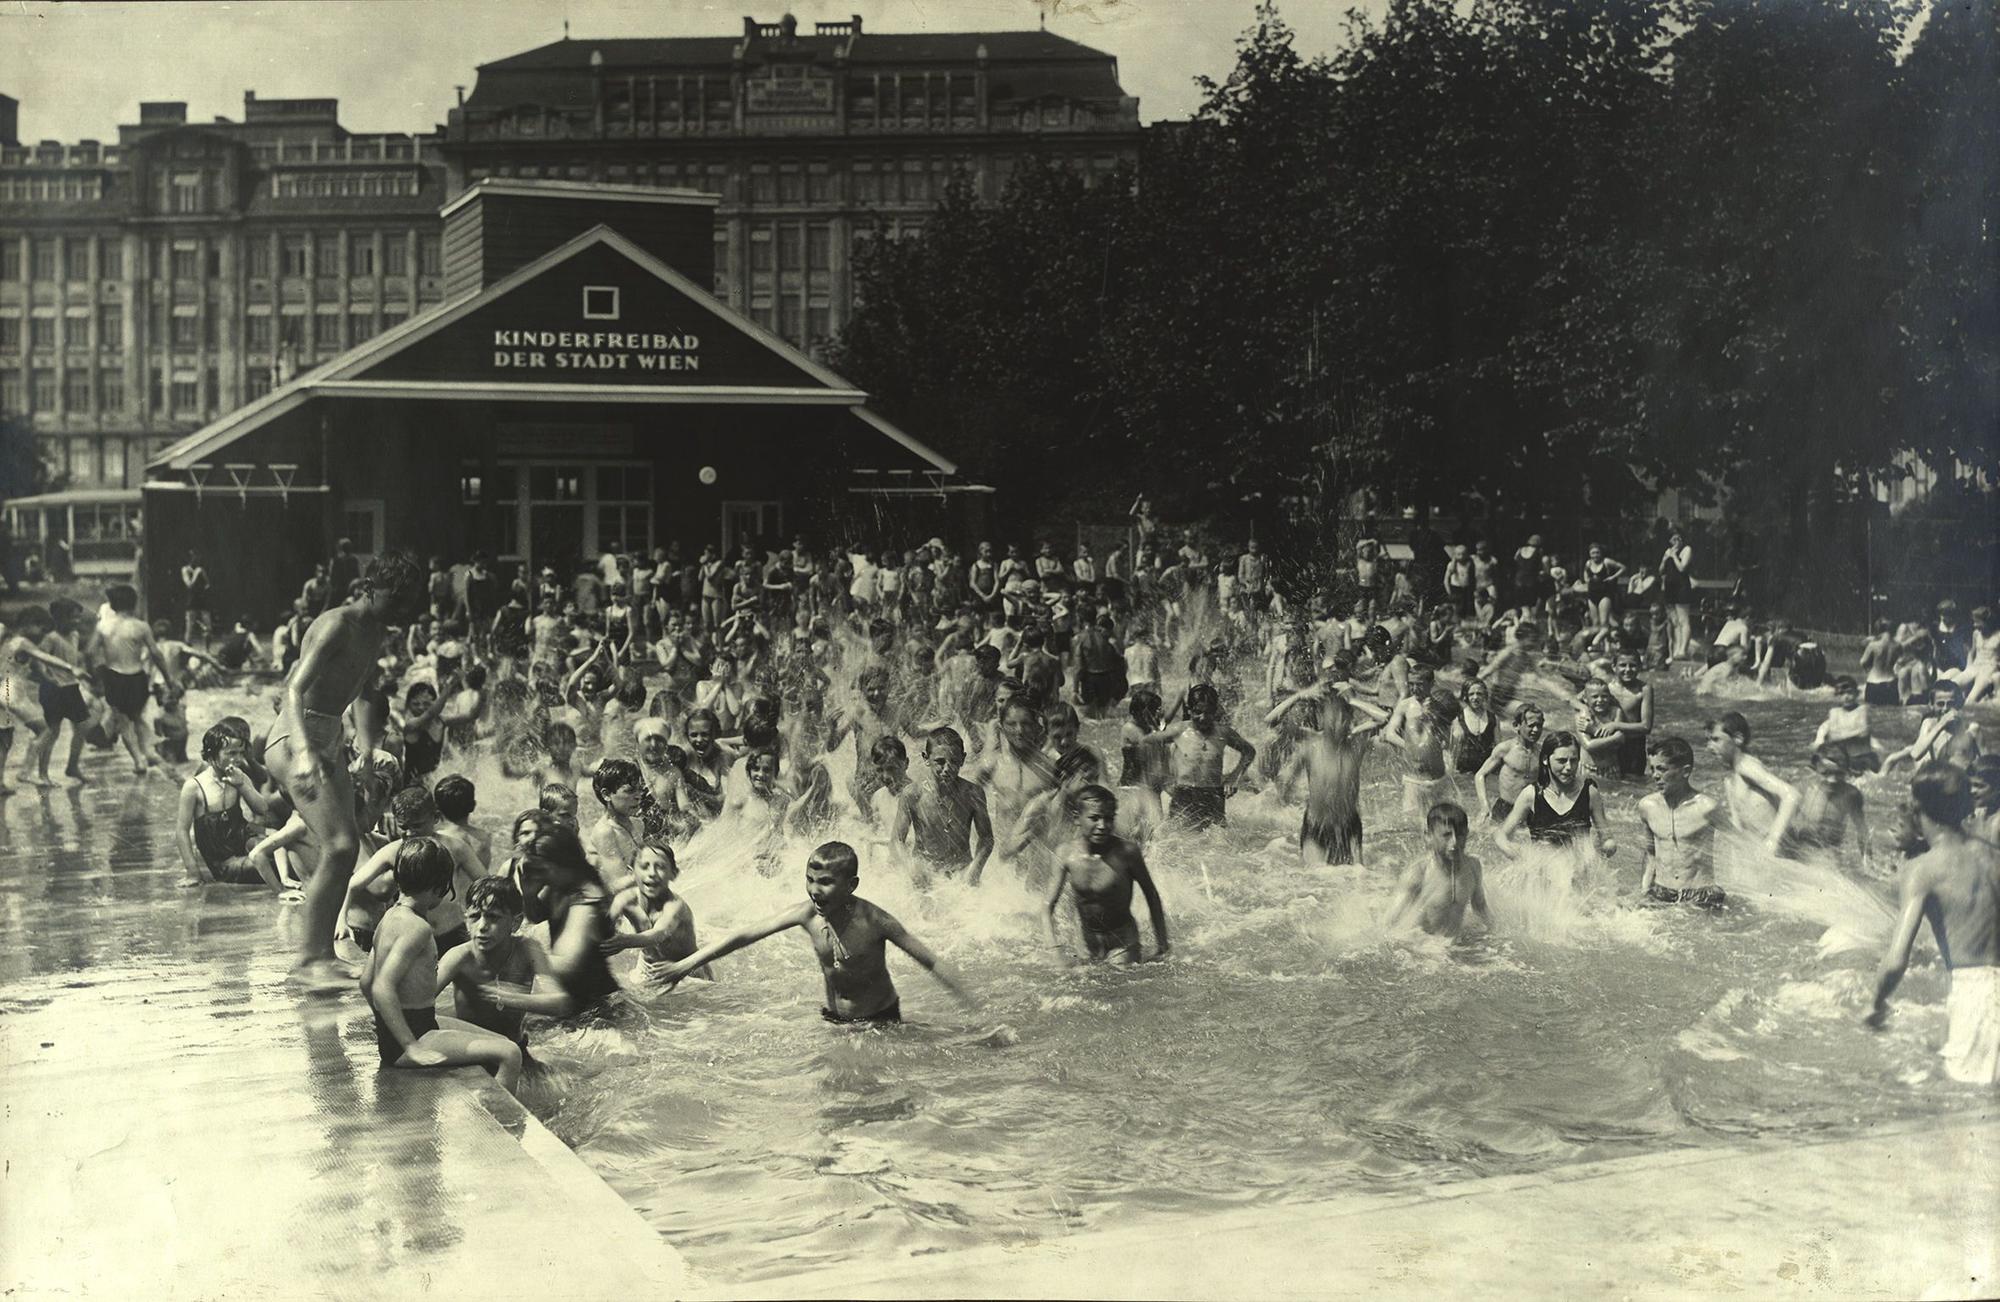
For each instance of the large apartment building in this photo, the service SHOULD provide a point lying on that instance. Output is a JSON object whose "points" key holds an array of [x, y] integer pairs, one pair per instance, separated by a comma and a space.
{"points": [[150, 285], [813, 140]]}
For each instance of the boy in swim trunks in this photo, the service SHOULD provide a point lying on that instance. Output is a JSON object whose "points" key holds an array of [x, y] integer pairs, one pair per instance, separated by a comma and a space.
{"points": [[305, 750], [941, 812], [1955, 886], [1440, 886], [1100, 868], [123, 649], [1200, 799], [849, 936], [59, 668], [1846, 729], [1680, 826], [492, 975], [400, 979], [1330, 759]]}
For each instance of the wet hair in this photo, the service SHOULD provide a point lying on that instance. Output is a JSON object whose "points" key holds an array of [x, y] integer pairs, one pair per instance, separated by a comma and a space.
{"points": [[1023, 705], [1949, 688], [1845, 684], [1942, 793], [613, 774], [887, 750], [395, 573], [475, 677], [411, 804], [871, 676], [632, 693], [558, 731], [455, 797], [410, 696], [558, 852], [834, 856], [122, 597], [986, 651], [1204, 694], [214, 740], [660, 846], [423, 864], [494, 895], [756, 753], [1554, 742], [701, 714], [558, 798], [1145, 701], [1987, 767], [523, 819], [1674, 750], [1446, 814], [1061, 712], [1095, 794], [1081, 760], [1733, 726], [1982, 614], [62, 610]]}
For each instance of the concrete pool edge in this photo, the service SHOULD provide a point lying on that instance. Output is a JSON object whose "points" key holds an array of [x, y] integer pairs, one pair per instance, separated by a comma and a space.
{"points": [[1907, 1211]]}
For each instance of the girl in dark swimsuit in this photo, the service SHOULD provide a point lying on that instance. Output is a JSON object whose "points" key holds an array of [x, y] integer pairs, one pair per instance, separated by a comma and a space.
{"points": [[561, 886], [1560, 809], [213, 834], [1473, 732]]}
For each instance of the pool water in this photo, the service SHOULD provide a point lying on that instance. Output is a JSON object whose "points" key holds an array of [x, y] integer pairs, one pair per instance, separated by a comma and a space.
{"points": [[1288, 1051]]}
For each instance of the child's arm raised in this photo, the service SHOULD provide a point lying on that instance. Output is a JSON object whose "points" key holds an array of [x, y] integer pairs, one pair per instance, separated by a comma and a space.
{"points": [[1753, 771], [793, 916], [383, 861]]}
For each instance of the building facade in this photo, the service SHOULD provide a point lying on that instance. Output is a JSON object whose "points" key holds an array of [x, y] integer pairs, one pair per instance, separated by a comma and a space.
{"points": [[813, 141], [150, 285]]}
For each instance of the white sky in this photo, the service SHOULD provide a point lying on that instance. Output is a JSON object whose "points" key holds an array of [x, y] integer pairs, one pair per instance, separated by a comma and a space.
{"points": [[81, 69]]}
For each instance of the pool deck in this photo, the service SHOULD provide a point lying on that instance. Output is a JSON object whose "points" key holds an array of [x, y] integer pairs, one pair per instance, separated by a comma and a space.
{"points": [[179, 1124]]}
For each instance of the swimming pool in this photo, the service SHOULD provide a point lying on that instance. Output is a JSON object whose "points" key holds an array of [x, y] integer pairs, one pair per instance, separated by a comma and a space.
{"points": [[1288, 1052]]}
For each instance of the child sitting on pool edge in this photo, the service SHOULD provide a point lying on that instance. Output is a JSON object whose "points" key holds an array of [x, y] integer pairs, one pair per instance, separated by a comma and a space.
{"points": [[400, 978], [848, 936], [492, 976]]}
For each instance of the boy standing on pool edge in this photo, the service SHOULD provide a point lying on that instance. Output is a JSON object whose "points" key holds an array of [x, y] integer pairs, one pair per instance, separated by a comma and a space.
{"points": [[848, 935]]}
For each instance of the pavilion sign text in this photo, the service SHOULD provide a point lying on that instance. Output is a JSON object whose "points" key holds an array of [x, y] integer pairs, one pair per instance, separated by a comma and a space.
{"points": [[594, 350]]}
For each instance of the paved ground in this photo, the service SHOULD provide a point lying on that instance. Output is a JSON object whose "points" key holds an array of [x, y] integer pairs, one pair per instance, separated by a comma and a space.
{"points": [[1894, 1216], [177, 1124]]}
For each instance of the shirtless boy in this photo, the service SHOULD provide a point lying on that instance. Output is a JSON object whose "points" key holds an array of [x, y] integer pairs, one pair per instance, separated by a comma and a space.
{"points": [[1440, 886], [123, 650], [1201, 794], [1680, 824], [944, 811], [400, 979], [662, 923], [1330, 760], [492, 975], [1016, 770], [1099, 869], [849, 936], [305, 754], [1955, 886]]}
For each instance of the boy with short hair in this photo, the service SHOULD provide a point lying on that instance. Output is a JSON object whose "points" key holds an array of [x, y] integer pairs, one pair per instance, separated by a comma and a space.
{"points": [[400, 978], [849, 936], [1680, 825], [60, 668], [1100, 868], [1440, 886], [414, 813], [1846, 729], [942, 811], [492, 975], [661, 921]]}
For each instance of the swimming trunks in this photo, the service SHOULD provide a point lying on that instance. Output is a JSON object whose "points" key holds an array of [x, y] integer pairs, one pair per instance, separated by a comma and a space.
{"points": [[422, 753], [1200, 806], [1104, 942], [890, 1015], [1972, 1050], [1705, 897], [422, 1021], [1501, 808], [321, 731], [125, 693], [62, 703], [1882, 693], [1340, 841]]}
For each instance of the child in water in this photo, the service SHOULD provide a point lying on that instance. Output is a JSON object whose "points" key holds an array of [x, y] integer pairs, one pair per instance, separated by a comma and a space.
{"points": [[1846, 729], [661, 921], [849, 936], [1440, 886], [1330, 830], [492, 975], [1100, 869]]}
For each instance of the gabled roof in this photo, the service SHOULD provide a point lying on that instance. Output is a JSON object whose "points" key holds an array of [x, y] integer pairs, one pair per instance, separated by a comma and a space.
{"points": [[348, 375]]}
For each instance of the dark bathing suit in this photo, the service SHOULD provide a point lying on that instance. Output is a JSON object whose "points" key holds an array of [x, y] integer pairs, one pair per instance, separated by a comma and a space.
{"points": [[125, 693], [221, 835], [1340, 840], [422, 1021], [1547, 827], [880, 1017], [1200, 806], [1706, 897]]}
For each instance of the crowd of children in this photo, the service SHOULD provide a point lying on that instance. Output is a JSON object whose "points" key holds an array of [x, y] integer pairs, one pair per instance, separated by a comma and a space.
{"points": [[716, 692]]}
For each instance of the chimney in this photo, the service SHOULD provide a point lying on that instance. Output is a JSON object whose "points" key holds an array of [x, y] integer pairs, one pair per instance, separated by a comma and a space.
{"points": [[749, 28], [500, 225], [857, 25], [10, 121]]}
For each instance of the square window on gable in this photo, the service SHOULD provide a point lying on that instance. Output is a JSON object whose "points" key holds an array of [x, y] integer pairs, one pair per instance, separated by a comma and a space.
{"points": [[600, 302]]}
